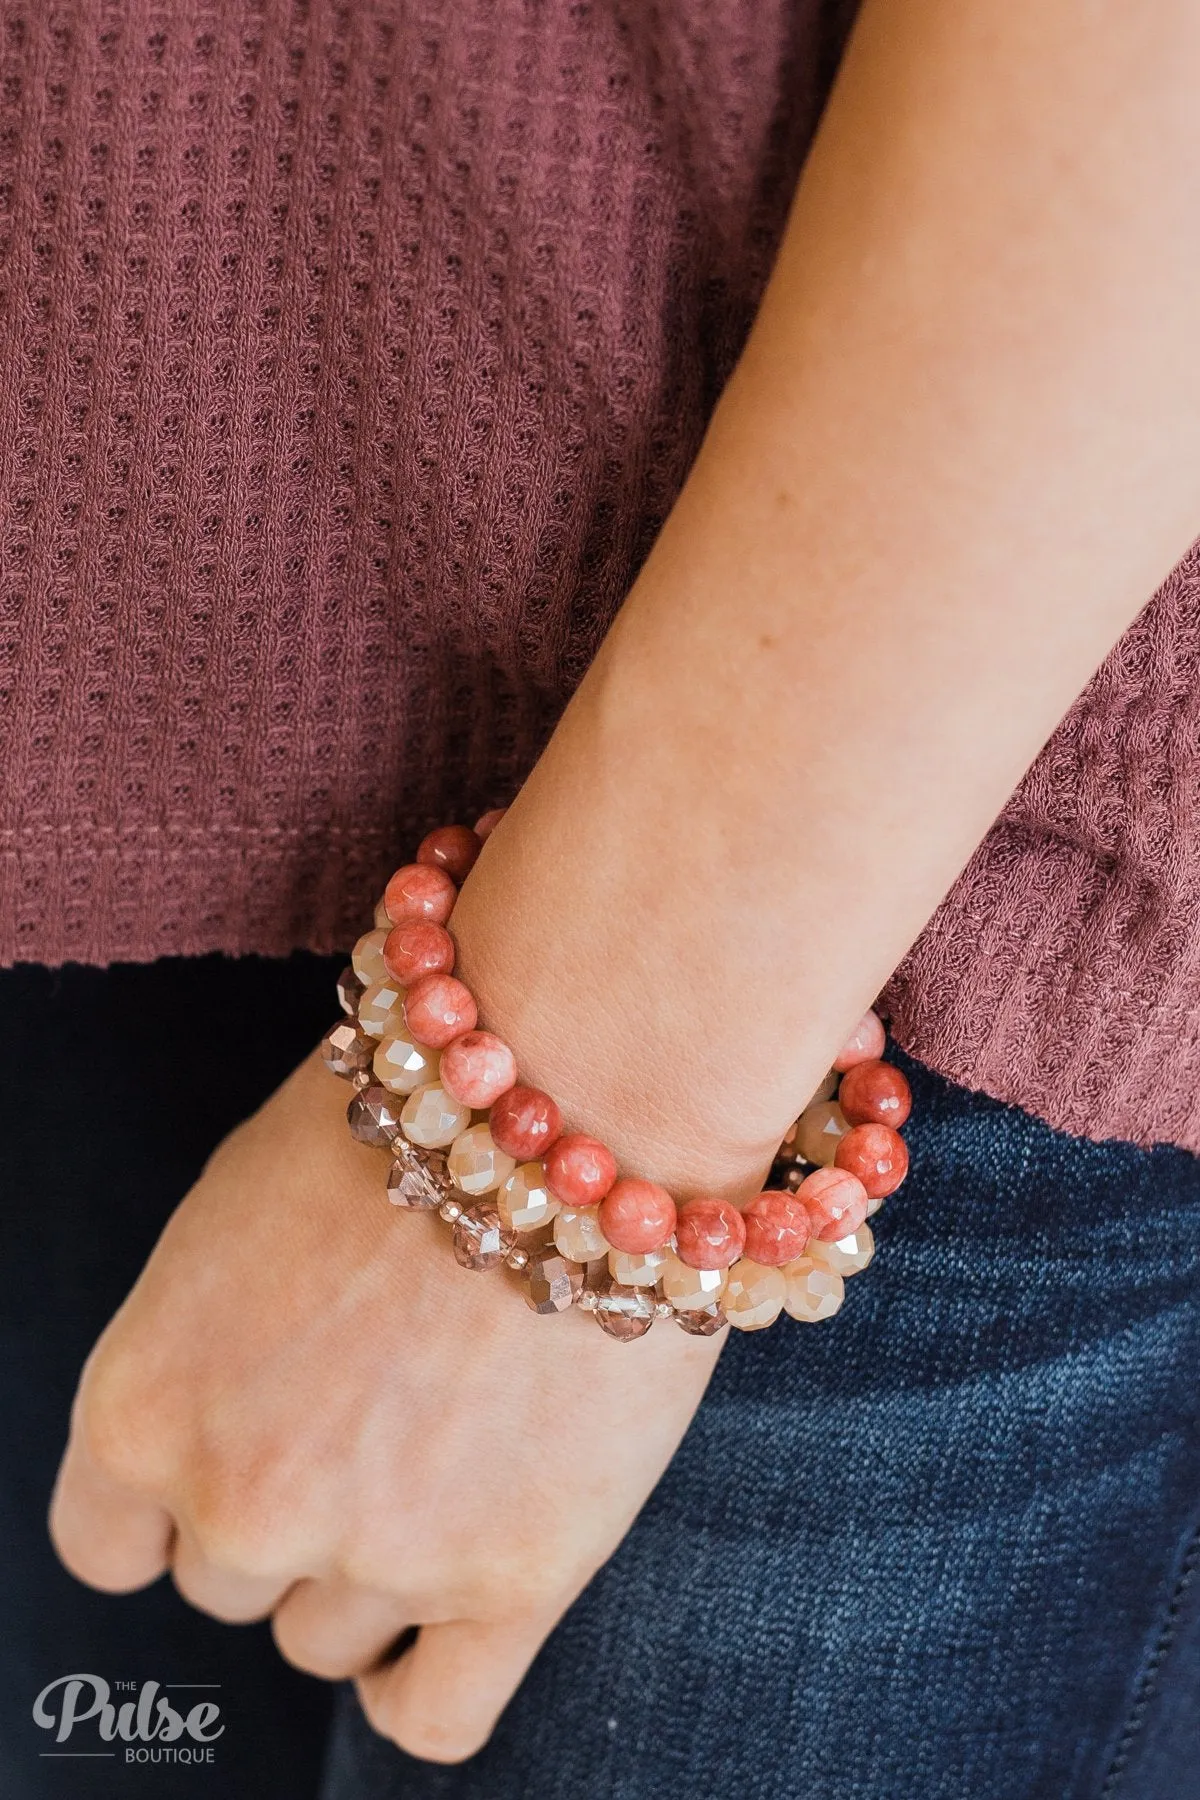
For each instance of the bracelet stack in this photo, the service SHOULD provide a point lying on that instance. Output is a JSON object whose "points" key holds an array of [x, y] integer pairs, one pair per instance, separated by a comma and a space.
{"points": [[469, 1140]]}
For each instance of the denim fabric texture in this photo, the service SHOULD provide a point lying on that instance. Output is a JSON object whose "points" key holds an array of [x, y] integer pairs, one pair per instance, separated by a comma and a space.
{"points": [[943, 1547]]}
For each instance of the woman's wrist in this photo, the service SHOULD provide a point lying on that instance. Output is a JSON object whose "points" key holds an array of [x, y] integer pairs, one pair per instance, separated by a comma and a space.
{"points": [[493, 1155]]}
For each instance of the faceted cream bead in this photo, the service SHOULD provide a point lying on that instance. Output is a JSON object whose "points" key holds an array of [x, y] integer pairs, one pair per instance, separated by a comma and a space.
{"points": [[476, 1163], [431, 1118], [873, 1206], [366, 958], [819, 1130], [847, 1256], [578, 1234], [401, 1065], [381, 1009], [813, 1290], [631, 1270], [382, 920], [690, 1290], [754, 1295], [524, 1201]]}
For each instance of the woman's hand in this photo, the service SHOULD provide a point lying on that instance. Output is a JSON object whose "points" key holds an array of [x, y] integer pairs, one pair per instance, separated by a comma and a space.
{"points": [[306, 1408], [957, 455]]}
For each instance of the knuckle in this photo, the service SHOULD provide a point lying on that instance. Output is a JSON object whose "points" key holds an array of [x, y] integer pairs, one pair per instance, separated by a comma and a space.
{"points": [[307, 1650], [120, 1437], [238, 1528], [531, 1586]]}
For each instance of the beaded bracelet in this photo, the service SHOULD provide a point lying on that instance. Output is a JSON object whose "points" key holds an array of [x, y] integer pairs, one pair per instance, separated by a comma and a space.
{"points": [[490, 1154]]}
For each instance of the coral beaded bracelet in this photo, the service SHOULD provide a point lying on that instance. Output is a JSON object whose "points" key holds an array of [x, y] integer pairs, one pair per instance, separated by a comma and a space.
{"points": [[490, 1154]]}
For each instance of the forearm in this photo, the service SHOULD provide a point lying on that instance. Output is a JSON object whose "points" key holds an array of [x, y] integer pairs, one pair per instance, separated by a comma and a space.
{"points": [[960, 450]]}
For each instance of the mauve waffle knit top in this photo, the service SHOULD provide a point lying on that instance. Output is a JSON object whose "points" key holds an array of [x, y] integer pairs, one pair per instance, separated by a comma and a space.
{"points": [[351, 355]]}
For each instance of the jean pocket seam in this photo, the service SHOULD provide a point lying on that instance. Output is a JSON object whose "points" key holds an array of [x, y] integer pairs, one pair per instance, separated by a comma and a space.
{"points": [[1152, 1669]]}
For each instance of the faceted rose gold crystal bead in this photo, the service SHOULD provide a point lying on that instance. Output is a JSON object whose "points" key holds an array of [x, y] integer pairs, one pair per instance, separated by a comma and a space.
{"points": [[877, 1155], [848, 1255], [636, 1270], [753, 1296], [836, 1202], [366, 958], [381, 1008], [709, 1233], [525, 1122], [374, 1116], [819, 1130], [579, 1169], [478, 1067], [420, 1183], [382, 921], [624, 1313], [524, 1201], [346, 1048], [867, 1040], [452, 848], [488, 821], [875, 1093], [431, 1118], [702, 1321], [777, 1228], [476, 1165], [637, 1216], [349, 988], [418, 892], [688, 1289], [417, 948], [578, 1235], [439, 1008], [480, 1240], [553, 1281], [813, 1291], [401, 1064]]}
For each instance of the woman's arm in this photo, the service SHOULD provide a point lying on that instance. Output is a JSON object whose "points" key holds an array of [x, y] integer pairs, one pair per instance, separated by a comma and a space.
{"points": [[962, 447], [959, 453]]}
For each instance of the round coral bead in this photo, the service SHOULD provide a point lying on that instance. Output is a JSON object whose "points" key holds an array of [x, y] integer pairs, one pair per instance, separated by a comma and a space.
{"points": [[579, 1170], [709, 1234], [487, 823], [877, 1155], [437, 1009], [864, 1044], [416, 948], [777, 1228], [637, 1216], [418, 891], [873, 1093], [451, 847], [836, 1202], [525, 1122], [477, 1068]]}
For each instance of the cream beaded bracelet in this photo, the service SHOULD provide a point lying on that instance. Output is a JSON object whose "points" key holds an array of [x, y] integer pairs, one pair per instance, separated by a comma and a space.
{"points": [[490, 1154]]}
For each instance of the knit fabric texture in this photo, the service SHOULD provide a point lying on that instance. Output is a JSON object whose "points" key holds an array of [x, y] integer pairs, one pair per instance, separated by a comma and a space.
{"points": [[351, 355]]}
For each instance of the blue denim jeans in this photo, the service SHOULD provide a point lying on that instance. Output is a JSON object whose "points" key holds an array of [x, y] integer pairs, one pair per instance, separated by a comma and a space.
{"points": [[943, 1547]]}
